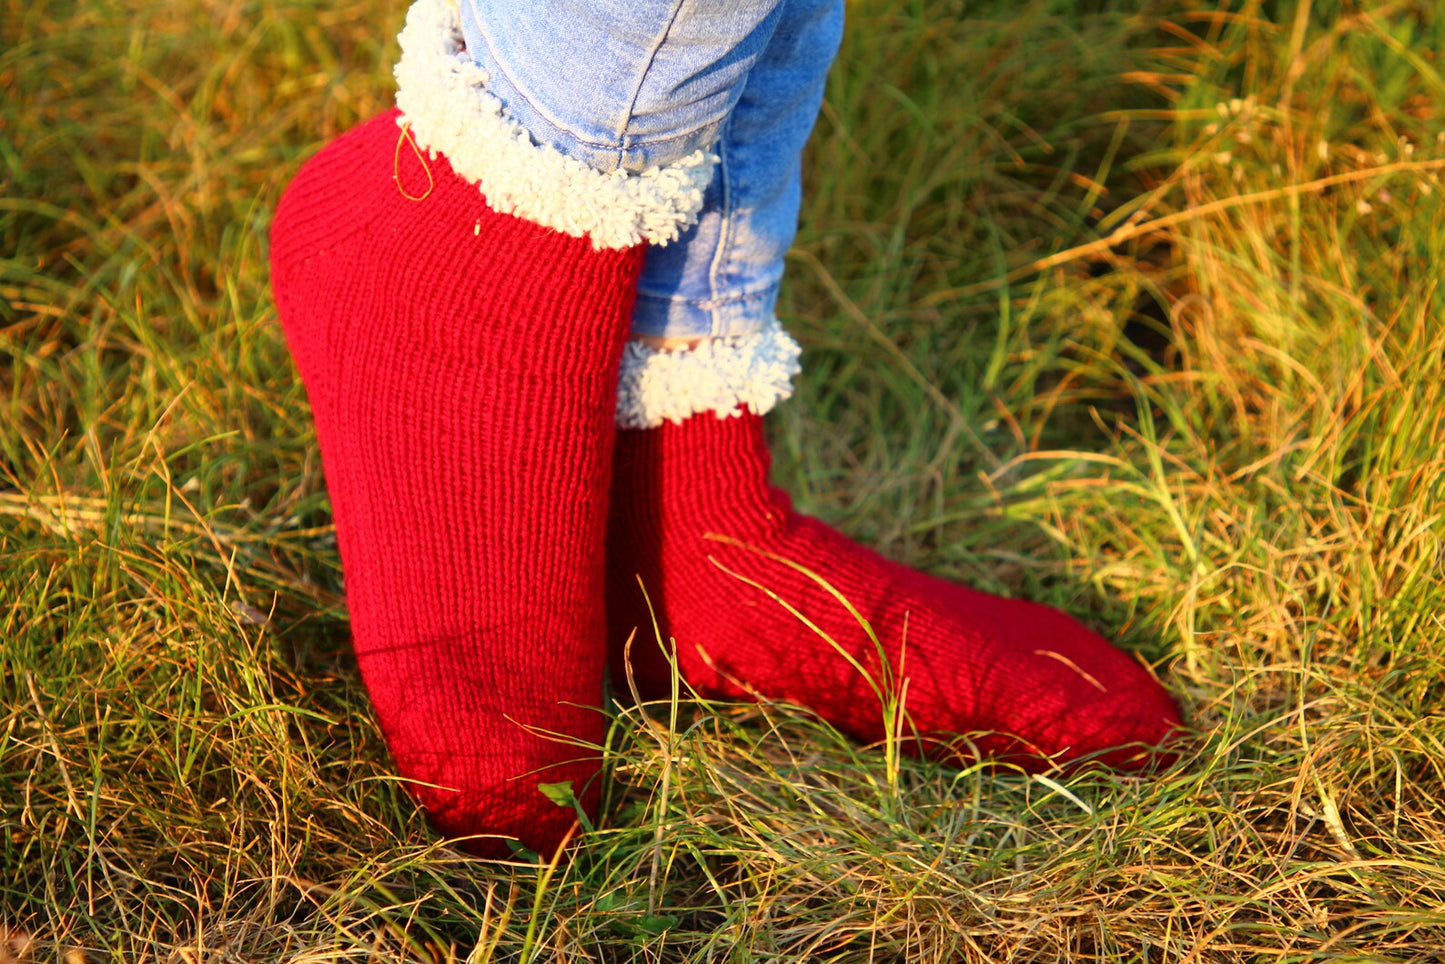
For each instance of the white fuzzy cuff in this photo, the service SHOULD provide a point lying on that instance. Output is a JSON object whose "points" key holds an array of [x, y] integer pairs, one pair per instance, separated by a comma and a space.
{"points": [[717, 376], [444, 100]]}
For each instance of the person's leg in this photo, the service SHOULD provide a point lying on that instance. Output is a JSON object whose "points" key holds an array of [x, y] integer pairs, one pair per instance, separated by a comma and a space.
{"points": [[752, 592], [621, 85], [722, 278], [456, 293]]}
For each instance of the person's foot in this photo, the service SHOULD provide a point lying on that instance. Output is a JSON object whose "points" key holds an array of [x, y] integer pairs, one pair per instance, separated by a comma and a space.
{"points": [[461, 365], [765, 602]]}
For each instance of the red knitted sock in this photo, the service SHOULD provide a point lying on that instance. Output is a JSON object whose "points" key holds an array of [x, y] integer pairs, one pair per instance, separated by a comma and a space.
{"points": [[1034, 682], [462, 365]]}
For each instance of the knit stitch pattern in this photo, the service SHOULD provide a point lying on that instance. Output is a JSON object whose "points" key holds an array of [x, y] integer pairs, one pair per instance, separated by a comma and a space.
{"points": [[462, 367], [745, 585]]}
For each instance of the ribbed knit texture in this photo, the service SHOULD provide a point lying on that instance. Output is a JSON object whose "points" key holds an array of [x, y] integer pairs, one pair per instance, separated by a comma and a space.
{"points": [[462, 370], [1034, 680]]}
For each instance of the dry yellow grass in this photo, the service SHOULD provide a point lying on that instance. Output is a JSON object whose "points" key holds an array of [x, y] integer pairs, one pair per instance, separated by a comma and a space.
{"points": [[1134, 312]]}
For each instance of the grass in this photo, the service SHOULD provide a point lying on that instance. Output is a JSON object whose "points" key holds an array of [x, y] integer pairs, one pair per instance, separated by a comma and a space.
{"points": [[1130, 308]]}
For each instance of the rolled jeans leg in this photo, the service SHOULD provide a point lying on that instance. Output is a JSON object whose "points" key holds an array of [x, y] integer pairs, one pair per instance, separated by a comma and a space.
{"points": [[626, 85], [721, 277]]}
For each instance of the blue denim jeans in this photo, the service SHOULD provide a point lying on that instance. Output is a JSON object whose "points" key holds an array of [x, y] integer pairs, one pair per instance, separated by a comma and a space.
{"points": [[637, 83]]}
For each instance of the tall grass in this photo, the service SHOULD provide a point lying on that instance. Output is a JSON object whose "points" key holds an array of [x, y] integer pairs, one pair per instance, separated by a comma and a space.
{"points": [[1131, 308]]}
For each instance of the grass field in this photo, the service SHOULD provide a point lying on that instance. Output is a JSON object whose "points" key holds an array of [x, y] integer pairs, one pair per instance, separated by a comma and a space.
{"points": [[1133, 308]]}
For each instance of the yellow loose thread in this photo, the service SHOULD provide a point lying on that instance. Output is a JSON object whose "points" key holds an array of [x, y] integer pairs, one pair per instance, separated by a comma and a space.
{"points": [[396, 164]]}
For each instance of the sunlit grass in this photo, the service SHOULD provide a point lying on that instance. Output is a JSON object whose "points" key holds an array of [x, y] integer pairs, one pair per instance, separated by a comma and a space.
{"points": [[1135, 313]]}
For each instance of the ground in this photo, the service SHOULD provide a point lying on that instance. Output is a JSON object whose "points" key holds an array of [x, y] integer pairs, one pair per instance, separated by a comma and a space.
{"points": [[1132, 308]]}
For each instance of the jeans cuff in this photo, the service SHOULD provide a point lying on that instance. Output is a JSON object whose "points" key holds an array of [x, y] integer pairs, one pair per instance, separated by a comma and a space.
{"points": [[663, 316], [629, 154], [446, 106]]}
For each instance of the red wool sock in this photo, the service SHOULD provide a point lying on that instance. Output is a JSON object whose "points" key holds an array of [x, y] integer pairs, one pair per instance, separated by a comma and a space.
{"points": [[460, 365], [1032, 680], [462, 368]]}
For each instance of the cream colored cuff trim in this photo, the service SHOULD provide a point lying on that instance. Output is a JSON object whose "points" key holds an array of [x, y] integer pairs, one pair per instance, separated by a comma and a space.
{"points": [[443, 97], [717, 376]]}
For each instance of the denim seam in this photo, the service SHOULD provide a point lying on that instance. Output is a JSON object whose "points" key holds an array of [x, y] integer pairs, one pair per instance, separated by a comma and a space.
{"points": [[522, 92], [725, 235], [621, 135], [710, 304], [623, 142]]}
